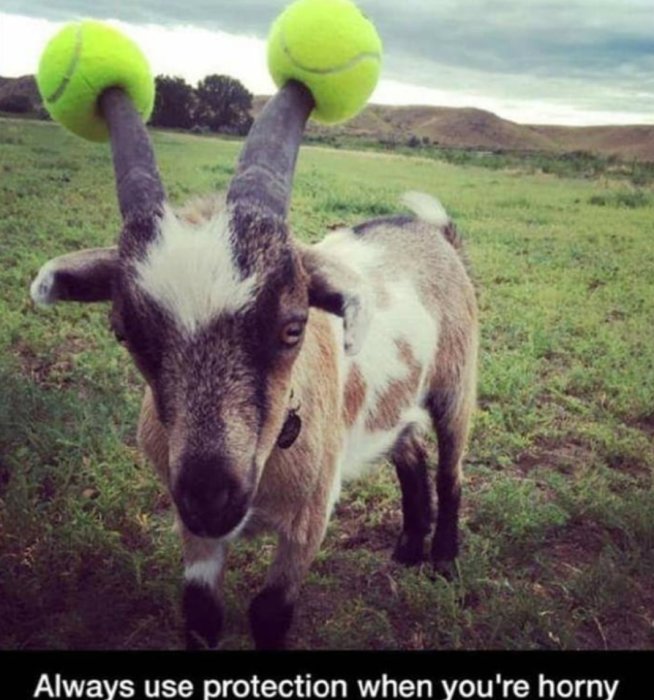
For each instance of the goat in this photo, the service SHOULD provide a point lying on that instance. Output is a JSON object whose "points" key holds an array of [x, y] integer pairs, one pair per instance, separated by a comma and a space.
{"points": [[275, 370]]}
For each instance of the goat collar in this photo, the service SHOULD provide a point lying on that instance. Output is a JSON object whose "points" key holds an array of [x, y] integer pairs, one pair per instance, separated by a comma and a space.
{"points": [[292, 425]]}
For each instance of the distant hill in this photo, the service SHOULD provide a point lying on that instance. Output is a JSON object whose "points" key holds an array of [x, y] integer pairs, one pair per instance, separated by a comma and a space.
{"points": [[23, 86], [463, 128], [629, 142], [450, 127], [453, 127]]}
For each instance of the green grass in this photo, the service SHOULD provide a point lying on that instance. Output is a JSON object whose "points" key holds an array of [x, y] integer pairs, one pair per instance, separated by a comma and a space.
{"points": [[558, 523], [575, 164]]}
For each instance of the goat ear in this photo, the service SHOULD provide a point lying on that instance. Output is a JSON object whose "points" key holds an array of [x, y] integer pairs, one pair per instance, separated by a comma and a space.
{"points": [[85, 276], [336, 288]]}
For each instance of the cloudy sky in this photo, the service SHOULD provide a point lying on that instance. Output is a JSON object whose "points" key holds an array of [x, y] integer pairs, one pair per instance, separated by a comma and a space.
{"points": [[532, 61]]}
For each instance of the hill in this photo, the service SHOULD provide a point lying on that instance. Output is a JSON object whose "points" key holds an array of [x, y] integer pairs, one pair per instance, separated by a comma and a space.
{"points": [[448, 127], [630, 142], [25, 86], [452, 127]]}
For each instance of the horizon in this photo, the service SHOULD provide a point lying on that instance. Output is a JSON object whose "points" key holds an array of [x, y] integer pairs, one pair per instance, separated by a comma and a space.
{"points": [[524, 65]]}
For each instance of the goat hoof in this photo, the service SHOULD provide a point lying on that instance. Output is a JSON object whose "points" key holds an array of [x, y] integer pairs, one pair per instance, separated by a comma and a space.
{"points": [[444, 568], [409, 550], [270, 618], [203, 617]]}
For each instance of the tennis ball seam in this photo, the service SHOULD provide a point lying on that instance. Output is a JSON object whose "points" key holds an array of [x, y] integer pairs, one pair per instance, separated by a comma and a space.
{"points": [[79, 63], [70, 71], [351, 63]]}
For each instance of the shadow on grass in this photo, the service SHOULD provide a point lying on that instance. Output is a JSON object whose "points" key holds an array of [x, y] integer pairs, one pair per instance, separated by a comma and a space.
{"points": [[77, 560]]}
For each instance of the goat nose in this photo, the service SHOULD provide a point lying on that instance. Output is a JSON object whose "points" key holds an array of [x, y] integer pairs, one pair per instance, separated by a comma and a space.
{"points": [[211, 501]]}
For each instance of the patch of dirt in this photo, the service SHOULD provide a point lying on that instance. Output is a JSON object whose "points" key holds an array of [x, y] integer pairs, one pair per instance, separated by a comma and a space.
{"points": [[321, 604], [574, 547], [42, 368], [646, 425], [353, 531], [630, 628], [563, 457], [346, 579]]}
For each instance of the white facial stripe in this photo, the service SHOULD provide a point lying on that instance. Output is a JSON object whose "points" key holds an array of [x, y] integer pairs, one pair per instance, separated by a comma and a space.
{"points": [[190, 270]]}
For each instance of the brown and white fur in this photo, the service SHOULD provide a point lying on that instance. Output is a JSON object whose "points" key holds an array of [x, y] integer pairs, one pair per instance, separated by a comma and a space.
{"points": [[412, 362], [371, 335]]}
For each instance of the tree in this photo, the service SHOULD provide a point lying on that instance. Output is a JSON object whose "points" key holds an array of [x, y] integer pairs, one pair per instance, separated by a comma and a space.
{"points": [[224, 104], [174, 104], [19, 104]]}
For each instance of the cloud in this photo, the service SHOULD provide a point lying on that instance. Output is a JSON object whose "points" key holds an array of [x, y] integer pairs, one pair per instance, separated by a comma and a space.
{"points": [[186, 51], [574, 57]]}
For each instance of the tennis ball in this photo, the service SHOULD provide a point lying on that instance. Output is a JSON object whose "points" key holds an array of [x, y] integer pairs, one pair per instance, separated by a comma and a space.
{"points": [[333, 49], [79, 63]]}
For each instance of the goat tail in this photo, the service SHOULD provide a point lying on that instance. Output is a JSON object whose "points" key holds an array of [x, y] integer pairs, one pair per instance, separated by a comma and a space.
{"points": [[429, 209]]}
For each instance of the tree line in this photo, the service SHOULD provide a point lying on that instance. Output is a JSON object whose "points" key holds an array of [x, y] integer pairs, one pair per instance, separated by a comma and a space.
{"points": [[218, 103]]}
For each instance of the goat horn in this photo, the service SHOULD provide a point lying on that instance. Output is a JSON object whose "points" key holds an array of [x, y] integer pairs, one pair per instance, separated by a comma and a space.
{"points": [[265, 169], [138, 185]]}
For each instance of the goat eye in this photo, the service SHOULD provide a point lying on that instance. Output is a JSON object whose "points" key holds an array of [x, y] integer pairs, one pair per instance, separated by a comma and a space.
{"points": [[292, 332]]}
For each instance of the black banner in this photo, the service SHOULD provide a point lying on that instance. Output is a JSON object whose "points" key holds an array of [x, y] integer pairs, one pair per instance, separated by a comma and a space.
{"points": [[386, 675]]}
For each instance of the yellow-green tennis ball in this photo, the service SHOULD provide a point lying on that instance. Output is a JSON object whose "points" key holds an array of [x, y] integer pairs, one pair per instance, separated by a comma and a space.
{"points": [[333, 49], [79, 63]]}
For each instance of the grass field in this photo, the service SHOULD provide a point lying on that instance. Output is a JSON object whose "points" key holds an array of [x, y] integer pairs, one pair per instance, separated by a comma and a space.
{"points": [[559, 499]]}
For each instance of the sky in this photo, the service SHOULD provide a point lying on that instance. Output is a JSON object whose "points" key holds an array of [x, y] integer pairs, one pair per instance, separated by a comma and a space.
{"points": [[573, 62]]}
